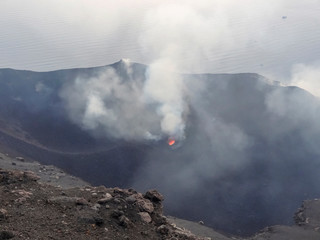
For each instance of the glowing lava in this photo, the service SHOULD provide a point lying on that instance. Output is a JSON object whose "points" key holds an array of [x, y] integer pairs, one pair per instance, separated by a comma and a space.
{"points": [[171, 141]]}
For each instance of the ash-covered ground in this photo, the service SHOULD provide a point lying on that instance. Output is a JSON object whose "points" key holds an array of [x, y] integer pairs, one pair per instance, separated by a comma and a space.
{"points": [[31, 207], [47, 203]]}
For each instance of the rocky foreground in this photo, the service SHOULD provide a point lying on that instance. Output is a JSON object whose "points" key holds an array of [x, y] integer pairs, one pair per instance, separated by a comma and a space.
{"points": [[33, 210], [47, 203]]}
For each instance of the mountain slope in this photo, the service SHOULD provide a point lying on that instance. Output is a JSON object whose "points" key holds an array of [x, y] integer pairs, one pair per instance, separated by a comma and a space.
{"points": [[250, 147]]}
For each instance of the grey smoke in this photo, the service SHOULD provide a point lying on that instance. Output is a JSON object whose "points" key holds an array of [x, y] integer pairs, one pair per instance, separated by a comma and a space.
{"points": [[250, 149], [109, 105], [166, 88], [306, 76], [140, 108]]}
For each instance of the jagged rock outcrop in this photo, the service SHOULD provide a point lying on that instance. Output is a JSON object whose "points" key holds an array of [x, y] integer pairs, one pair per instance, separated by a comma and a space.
{"points": [[32, 210], [308, 215]]}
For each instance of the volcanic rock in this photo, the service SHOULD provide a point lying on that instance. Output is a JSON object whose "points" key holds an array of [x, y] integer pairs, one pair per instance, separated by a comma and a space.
{"points": [[308, 215], [145, 217], [131, 199], [20, 159], [124, 221], [117, 213], [145, 205], [106, 198], [96, 207], [6, 235], [63, 200], [3, 214], [154, 196], [49, 212], [91, 218], [163, 229]]}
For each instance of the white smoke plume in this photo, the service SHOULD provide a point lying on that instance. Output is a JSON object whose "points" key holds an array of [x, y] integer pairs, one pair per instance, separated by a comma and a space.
{"points": [[166, 88], [307, 77], [109, 105], [127, 107], [176, 37], [182, 36], [175, 42]]}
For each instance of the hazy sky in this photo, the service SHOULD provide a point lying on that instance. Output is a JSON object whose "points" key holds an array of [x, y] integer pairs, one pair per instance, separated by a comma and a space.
{"points": [[269, 37]]}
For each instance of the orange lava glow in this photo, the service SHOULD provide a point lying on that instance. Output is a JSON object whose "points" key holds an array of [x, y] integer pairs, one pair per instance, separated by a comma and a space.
{"points": [[171, 141]]}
